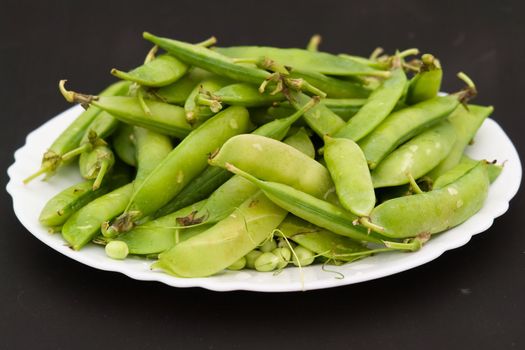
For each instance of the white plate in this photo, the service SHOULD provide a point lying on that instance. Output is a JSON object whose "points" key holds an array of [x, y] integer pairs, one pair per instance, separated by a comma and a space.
{"points": [[491, 143]]}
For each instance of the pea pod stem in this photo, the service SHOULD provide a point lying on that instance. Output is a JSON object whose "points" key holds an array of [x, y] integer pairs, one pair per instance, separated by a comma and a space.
{"points": [[313, 43]]}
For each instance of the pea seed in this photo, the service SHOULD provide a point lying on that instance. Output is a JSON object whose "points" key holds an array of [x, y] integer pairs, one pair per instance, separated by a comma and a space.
{"points": [[117, 250], [266, 262]]}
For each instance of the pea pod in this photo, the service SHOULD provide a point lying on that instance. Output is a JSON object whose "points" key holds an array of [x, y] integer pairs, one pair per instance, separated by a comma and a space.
{"points": [[72, 135], [124, 144], [239, 94], [95, 164], [434, 211], [195, 112], [84, 225], [345, 108], [427, 82], [151, 149], [187, 160], [320, 62], [466, 163], [351, 176], [378, 106], [301, 141], [59, 208], [416, 157], [275, 161], [334, 88], [466, 123], [224, 243], [178, 92], [161, 71]]}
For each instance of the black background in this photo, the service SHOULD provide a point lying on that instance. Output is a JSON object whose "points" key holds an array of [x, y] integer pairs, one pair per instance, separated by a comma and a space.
{"points": [[471, 297]]}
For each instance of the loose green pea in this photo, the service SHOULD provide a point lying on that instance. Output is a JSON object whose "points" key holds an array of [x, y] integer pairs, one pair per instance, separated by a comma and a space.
{"points": [[303, 257], [266, 262], [117, 250], [238, 265], [284, 254]]}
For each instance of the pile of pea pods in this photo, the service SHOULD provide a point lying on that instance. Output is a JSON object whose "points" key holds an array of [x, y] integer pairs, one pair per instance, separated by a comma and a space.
{"points": [[206, 158]]}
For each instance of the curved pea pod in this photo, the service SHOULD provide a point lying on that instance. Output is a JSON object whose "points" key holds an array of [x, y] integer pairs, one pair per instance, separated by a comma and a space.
{"points": [[334, 88], [434, 211], [195, 112], [224, 243], [161, 234], [70, 138], [161, 71], [319, 118], [272, 160], [188, 160], [124, 145], [213, 177], [178, 92], [323, 242], [301, 141], [163, 118], [379, 105], [466, 163], [240, 94], [427, 83], [466, 123], [151, 149], [59, 208], [416, 157], [95, 164], [310, 208], [84, 225], [402, 125], [320, 62], [345, 108], [353, 183]]}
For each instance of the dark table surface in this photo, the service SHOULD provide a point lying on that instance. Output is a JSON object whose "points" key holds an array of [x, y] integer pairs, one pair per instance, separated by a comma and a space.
{"points": [[471, 297]]}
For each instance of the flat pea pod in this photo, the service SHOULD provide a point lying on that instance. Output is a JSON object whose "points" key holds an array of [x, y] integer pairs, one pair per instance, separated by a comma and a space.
{"points": [[72, 135], [275, 161], [466, 123], [416, 157], [465, 164], [240, 94], [161, 234], [319, 118], [84, 225], [178, 92], [345, 108], [320, 241], [213, 177], [402, 125], [333, 87], [161, 71], [187, 160], [310, 208], [195, 112], [151, 149], [427, 82], [61, 206], [95, 164], [349, 170], [301, 141], [434, 211], [224, 243], [124, 144], [320, 62], [379, 105]]}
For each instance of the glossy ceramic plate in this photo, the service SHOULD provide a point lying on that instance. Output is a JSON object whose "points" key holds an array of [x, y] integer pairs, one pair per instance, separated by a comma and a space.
{"points": [[491, 143]]}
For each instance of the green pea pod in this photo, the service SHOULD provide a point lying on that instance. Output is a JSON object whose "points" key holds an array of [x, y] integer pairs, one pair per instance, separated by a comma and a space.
{"points": [[124, 144], [240, 94], [84, 225], [402, 125], [224, 243], [320, 62], [416, 157], [427, 83], [466, 123], [319, 118], [301, 141], [196, 113], [161, 71], [349, 170], [466, 163], [275, 161], [323, 242], [151, 149], [178, 92], [187, 160], [345, 108], [159, 235], [59, 208], [213, 177], [434, 211], [378, 106], [309, 208], [334, 88], [95, 164], [72, 135]]}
